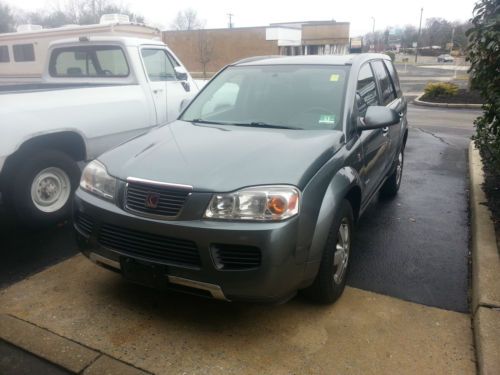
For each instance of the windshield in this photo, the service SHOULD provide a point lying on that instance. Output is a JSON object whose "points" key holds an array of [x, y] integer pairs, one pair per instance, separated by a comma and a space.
{"points": [[289, 96]]}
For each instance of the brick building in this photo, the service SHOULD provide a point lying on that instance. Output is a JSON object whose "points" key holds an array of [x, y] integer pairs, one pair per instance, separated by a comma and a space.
{"points": [[209, 50]]}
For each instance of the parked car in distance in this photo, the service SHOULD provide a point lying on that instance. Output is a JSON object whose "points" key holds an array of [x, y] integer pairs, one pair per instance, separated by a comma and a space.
{"points": [[97, 93], [445, 58], [253, 193]]}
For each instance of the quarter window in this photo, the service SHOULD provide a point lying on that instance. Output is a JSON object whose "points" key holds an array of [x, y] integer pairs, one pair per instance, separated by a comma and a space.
{"points": [[4, 54], [23, 52], [158, 65], [89, 61], [366, 91], [388, 93]]}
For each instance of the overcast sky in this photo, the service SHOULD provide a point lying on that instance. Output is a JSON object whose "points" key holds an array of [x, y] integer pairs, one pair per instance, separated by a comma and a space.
{"points": [[262, 12]]}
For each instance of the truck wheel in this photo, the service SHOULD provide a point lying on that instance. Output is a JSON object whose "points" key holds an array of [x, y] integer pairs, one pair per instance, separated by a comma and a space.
{"points": [[330, 281], [392, 184], [40, 187]]}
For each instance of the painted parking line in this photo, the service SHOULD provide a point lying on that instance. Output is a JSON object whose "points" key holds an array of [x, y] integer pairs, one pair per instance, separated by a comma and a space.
{"points": [[166, 333]]}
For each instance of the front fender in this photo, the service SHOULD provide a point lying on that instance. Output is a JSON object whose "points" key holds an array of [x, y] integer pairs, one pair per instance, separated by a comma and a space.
{"points": [[341, 184]]}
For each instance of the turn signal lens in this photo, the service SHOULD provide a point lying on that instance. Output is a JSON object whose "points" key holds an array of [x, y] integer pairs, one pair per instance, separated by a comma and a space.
{"points": [[277, 205]]}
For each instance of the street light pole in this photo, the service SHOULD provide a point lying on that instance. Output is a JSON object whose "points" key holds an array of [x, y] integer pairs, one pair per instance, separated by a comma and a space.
{"points": [[418, 36], [230, 15], [452, 36], [373, 32]]}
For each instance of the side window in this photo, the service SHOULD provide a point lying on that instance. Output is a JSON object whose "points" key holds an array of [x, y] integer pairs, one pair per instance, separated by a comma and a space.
{"points": [[88, 61], [388, 94], [23, 52], [4, 54], [366, 90], [158, 65], [394, 76]]}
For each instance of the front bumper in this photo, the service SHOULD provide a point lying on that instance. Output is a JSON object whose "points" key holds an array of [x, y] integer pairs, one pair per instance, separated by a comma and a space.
{"points": [[277, 277]]}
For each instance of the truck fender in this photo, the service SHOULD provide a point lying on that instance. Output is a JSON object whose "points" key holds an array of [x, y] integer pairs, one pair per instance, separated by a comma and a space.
{"points": [[345, 182]]}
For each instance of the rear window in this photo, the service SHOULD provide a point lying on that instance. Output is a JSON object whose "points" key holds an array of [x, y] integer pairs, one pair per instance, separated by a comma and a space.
{"points": [[388, 94], [23, 52], [4, 54], [89, 61], [394, 76]]}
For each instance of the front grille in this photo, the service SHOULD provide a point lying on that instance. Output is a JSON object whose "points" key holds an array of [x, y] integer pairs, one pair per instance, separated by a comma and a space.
{"points": [[235, 257], [84, 223], [167, 201], [149, 246]]}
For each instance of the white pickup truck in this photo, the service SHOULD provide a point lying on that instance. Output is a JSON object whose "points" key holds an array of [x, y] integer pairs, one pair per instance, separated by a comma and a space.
{"points": [[96, 93]]}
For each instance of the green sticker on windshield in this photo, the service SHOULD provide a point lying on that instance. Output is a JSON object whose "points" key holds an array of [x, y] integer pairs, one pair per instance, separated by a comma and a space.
{"points": [[334, 78], [327, 119]]}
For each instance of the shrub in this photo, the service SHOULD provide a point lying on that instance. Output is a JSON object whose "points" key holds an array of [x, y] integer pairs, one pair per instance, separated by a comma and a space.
{"points": [[435, 89], [391, 55], [483, 53]]}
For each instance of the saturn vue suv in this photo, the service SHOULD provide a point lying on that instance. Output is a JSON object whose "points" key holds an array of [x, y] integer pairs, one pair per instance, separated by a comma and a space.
{"points": [[254, 191]]}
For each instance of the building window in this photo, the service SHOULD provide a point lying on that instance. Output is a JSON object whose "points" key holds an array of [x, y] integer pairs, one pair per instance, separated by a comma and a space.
{"points": [[4, 54], [23, 52]]}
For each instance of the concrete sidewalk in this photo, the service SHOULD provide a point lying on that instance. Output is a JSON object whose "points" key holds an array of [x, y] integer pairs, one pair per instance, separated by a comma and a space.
{"points": [[91, 318]]}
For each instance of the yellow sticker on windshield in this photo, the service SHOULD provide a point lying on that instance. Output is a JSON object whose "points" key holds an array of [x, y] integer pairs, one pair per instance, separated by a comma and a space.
{"points": [[334, 78]]}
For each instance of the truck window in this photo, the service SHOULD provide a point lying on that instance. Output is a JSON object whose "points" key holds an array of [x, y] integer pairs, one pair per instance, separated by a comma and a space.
{"points": [[388, 93], [366, 90], [4, 54], [88, 61], [158, 65], [23, 52]]}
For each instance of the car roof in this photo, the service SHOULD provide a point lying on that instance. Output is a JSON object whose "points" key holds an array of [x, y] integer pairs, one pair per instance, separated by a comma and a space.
{"points": [[311, 59]]}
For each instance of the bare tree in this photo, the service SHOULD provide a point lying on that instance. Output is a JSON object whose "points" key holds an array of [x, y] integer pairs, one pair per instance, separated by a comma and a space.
{"points": [[205, 50], [187, 19], [6, 19]]}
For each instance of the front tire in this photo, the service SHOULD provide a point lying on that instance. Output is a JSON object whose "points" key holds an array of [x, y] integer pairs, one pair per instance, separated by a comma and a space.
{"points": [[331, 278], [40, 187]]}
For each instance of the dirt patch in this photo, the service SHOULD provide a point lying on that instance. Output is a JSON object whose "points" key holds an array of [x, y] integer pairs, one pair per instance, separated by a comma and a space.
{"points": [[463, 96]]}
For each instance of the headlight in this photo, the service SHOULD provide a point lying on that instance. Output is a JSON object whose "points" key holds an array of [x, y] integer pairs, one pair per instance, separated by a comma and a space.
{"points": [[96, 180], [264, 203]]}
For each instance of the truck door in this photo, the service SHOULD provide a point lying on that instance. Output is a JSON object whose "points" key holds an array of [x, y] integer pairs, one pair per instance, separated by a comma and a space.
{"points": [[374, 142], [168, 91]]}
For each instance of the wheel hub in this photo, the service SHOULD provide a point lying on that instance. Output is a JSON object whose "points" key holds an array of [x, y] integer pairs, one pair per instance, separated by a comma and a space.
{"points": [[342, 249], [50, 189]]}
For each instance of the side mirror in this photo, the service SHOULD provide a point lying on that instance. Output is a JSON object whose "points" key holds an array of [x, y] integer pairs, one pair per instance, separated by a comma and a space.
{"points": [[181, 73], [184, 103], [378, 117]]}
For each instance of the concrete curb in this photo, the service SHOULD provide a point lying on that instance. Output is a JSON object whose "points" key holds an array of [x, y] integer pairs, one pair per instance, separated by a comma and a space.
{"points": [[417, 101], [485, 272], [56, 349]]}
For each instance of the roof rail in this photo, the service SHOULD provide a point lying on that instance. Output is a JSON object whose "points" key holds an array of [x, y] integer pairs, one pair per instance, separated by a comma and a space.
{"points": [[256, 58]]}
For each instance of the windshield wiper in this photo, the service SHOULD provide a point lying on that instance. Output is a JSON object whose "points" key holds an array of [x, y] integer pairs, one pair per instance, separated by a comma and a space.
{"points": [[259, 124], [201, 121]]}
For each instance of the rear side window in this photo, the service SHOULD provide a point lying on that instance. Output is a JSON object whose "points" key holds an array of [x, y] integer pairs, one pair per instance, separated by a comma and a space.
{"points": [[366, 90], [394, 76], [4, 54], [23, 52], [388, 93], [89, 61]]}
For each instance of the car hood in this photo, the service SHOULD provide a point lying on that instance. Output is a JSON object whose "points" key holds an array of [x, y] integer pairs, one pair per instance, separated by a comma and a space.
{"points": [[223, 158]]}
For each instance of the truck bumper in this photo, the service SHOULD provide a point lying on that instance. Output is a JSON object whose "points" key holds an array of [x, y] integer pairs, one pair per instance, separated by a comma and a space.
{"points": [[225, 260]]}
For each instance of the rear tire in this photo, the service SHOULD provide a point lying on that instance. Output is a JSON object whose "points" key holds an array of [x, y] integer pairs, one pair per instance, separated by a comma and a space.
{"points": [[392, 184], [40, 188], [331, 278]]}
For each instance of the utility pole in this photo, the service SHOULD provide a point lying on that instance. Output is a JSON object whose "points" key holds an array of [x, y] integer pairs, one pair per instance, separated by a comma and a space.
{"points": [[373, 33], [452, 36], [230, 15], [418, 36]]}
